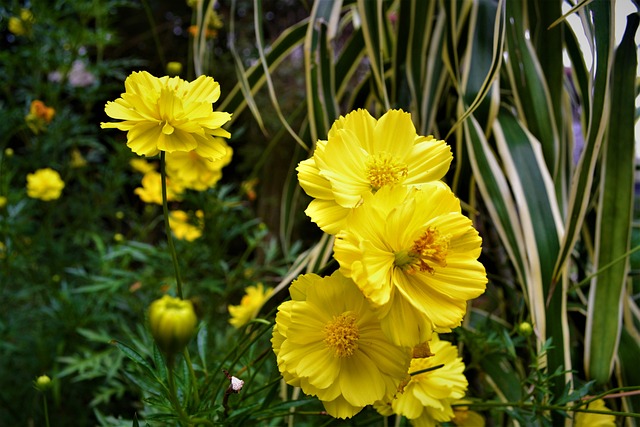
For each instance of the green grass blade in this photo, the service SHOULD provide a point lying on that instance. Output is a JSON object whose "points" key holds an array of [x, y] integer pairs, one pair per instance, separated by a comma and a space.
{"points": [[539, 214], [582, 180], [373, 27], [530, 90], [290, 39], [613, 233], [263, 60], [496, 194]]}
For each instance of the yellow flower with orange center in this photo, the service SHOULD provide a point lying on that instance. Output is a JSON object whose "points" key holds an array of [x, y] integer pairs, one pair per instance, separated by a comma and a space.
{"points": [[362, 155], [414, 255], [329, 342]]}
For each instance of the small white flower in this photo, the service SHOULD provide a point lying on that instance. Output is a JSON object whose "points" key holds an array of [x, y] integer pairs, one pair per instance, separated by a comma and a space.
{"points": [[236, 384]]}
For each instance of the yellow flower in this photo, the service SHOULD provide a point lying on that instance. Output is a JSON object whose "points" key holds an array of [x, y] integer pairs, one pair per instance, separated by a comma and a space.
{"points": [[585, 419], [77, 160], [3, 202], [328, 341], [141, 165], [250, 305], [463, 417], [414, 256], [426, 397], [44, 184], [151, 190], [169, 114], [21, 25], [182, 229], [172, 322], [39, 116], [195, 172], [362, 155]]}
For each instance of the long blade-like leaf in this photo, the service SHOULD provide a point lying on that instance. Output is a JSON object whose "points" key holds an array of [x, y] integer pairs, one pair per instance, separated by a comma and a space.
{"points": [[613, 234]]}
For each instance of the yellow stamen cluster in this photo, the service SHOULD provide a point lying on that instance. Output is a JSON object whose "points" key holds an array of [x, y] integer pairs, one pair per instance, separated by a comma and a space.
{"points": [[430, 248], [384, 169], [341, 335]]}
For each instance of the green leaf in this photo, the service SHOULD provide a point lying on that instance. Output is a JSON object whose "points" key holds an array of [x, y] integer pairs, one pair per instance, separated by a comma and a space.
{"points": [[615, 210]]}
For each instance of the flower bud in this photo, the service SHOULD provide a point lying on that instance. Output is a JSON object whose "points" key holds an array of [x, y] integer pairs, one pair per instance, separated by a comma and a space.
{"points": [[43, 382], [525, 329], [172, 322]]}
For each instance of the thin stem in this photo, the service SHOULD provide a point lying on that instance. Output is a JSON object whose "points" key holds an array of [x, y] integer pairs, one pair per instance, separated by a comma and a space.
{"points": [[192, 374], [167, 228], [173, 395], [523, 405], [46, 410]]}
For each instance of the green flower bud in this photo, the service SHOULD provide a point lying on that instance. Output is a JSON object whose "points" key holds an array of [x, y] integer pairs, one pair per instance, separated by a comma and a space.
{"points": [[525, 329], [172, 322], [43, 383]]}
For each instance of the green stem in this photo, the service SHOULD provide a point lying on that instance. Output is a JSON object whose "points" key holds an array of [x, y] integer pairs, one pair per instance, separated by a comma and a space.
{"points": [[167, 228], [173, 395], [523, 405], [192, 374], [46, 410]]}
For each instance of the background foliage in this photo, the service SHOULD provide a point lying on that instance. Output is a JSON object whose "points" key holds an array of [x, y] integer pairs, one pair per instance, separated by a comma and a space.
{"points": [[544, 164]]}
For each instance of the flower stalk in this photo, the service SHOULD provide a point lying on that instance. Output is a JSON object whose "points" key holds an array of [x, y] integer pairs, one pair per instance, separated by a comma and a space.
{"points": [[167, 228]]}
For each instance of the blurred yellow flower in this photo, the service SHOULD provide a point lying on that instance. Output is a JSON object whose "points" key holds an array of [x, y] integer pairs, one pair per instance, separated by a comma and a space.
{"points": [[21, 26], [77, 160], [362, 155], [44, 184], [415, 257], [328, 341], [3, 202], [182, 228], [151, 190], [195, 172], [463, 417], [169, 114], [249, 306], [39, 116], [172, 322], [585, 419], [426, 397], [141, 165]]}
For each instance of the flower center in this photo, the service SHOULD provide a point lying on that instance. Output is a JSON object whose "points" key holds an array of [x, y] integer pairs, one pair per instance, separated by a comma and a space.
{"points": [[341, 335], [429, 249], [384, 169]]}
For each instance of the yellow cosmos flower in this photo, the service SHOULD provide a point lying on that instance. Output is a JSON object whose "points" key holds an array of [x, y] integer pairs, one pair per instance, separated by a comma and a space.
{"points": [[151, 190], [427, 394], [182, 228], [169, 114], [44, 184], [328, 341], [249, 306], [362, 155], [195, 172], [414, 256], [142, 166], [585, 419]]}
